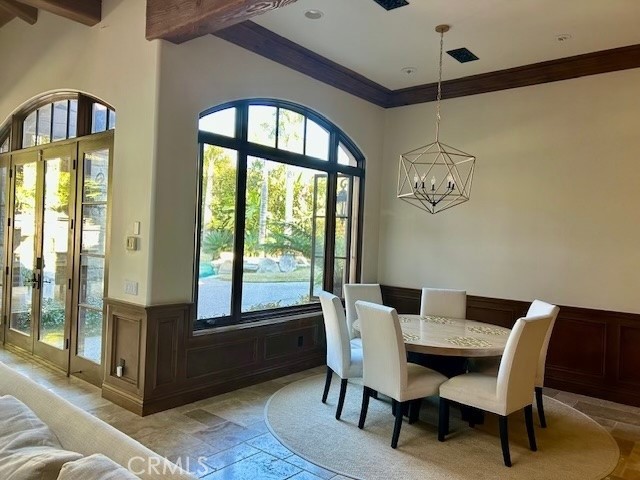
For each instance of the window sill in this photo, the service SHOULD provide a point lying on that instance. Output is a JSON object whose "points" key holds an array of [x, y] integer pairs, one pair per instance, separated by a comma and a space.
{"points": [[278, 319]]}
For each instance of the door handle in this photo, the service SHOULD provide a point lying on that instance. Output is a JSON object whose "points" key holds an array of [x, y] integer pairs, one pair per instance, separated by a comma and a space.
{"points": [[37, 281]]}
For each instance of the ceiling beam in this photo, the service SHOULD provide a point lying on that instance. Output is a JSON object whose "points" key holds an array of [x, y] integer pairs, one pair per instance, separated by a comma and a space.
{"points": [[180, 20], [23, 12], [87, 12], [5, 17], [264, 42]]}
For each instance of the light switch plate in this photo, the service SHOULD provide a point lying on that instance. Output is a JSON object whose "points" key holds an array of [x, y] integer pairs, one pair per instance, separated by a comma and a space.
{"points": [[132, 243]]}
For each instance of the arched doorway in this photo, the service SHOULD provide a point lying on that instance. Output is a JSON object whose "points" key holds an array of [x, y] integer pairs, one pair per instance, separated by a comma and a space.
{"points": [[55, 161]]}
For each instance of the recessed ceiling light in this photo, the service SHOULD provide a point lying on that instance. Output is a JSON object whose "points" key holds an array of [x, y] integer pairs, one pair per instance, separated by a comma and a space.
{"points": [[409, 70], [314, 14], [563, 37]]}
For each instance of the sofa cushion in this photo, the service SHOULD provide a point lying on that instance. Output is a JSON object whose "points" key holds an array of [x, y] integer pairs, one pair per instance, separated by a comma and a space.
{"points": [[95, 467], [28, 449]]}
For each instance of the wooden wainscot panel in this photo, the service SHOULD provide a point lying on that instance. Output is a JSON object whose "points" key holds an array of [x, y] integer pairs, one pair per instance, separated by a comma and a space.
{"points": [[166, 324], [126, 338], [629, 353], [126, 335], [578, 346], [221, 358], [504, 313], [294, 341], [404, 300]]}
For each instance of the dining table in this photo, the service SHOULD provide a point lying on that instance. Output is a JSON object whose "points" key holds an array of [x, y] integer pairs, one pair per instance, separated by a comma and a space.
{"points": [[450, 337]]}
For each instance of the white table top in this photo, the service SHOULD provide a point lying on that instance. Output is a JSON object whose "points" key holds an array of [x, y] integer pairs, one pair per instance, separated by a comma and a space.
{"points": [[451, 336]]}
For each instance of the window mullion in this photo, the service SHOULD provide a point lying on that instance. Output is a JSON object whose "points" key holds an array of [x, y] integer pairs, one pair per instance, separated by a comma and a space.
{"points": [[330, 220], [238, 237]]}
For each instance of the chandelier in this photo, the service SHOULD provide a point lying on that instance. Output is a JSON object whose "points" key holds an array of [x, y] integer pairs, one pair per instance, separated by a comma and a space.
{"points": [[436, 177]]}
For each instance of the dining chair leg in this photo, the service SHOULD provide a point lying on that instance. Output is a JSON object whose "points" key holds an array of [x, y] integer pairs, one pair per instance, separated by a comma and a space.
{"points": [[397, 425], [394, 407], [414, 410], [443, 420], [374, 394], [540, 406], [327, 384], [504, 439], [528, 420], [343, 391], [366, 392]]}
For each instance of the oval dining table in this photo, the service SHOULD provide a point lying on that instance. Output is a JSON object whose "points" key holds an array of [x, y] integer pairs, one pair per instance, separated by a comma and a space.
{"points": [[450, 337]]}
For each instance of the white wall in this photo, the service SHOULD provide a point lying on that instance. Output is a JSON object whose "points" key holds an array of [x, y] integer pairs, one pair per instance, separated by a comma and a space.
{"points": [[111, 61], [207, 72], [554, 207]]}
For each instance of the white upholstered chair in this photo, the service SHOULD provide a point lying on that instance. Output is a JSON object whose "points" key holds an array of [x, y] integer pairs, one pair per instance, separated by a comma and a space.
{"points": [[539, 307], [490, 366], [342, 358], [443, 303], [368, 292], [385, 364], [510, 390]]}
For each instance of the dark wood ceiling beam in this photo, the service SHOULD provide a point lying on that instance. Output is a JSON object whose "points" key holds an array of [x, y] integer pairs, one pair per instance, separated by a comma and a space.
{"points": [[87, 12], [180, 20], [5, 17], [544, 72], [23, 12], [264, 42]]}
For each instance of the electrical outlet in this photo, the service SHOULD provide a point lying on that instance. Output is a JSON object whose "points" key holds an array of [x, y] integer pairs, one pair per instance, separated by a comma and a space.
{"points": [[131, 287]]}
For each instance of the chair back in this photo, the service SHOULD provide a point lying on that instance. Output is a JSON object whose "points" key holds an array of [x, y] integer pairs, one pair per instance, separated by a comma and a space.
{"points": [[383, 352], [443, 303], [368, 292], [537, 308], [519, 363], [335, 325]]}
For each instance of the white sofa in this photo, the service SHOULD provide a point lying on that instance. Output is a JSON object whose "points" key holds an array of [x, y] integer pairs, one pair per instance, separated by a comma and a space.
{"points": [[80, 432]]}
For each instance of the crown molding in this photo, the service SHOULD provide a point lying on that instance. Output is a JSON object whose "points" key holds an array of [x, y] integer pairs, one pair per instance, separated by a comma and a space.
{"points": [[264, 42]]}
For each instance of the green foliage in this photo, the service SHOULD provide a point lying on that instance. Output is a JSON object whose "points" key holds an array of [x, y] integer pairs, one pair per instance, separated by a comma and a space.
{"points": [[216, 241], [290, 238]]}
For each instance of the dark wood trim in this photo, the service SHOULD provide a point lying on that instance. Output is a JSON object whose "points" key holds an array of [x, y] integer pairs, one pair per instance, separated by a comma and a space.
{"points": [[87, 12], [264, 42], [180, 20], [534, 74], [166, 365], [592, 352], [270, 45], [5, 17], [23, 12]]}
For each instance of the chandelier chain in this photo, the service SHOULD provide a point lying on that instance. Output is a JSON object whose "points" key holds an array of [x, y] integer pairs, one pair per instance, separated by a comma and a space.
{"points": [[439, 97]]}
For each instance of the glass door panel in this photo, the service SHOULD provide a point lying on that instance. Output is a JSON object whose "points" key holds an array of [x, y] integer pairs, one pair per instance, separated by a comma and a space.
{"points": [[23, 279], [92, 214], [24, 236], [55, 257]]}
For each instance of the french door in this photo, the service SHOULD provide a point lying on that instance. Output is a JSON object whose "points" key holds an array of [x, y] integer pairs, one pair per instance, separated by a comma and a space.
{"points": [[56, 275]]}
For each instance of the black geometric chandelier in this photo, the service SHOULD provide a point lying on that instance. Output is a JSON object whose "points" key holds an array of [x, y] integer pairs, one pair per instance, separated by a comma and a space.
{"points": [[436, 177]]}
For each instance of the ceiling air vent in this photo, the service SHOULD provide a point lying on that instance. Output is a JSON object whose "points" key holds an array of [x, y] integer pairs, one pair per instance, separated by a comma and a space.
{"points": [[463, 55], [391, 4]]}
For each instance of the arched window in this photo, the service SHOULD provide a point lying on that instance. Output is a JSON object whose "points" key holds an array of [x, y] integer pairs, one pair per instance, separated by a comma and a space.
{"points": [[279, 215], [56, 117]]}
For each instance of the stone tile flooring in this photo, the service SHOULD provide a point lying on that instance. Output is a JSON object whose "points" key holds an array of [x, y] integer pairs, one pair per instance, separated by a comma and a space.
{"points": [[225, 437]]}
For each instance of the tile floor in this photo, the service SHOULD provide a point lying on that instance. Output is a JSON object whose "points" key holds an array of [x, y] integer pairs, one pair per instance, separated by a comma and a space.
{"points": [[228, 431]]}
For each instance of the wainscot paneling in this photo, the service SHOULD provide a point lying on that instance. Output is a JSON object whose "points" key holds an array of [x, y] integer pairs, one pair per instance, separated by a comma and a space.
{"points": [[166, 365], [592, 352]]}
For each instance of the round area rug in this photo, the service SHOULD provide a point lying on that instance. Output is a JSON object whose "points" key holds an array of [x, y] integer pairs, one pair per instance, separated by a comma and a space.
{"points": [[573, 446]]}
